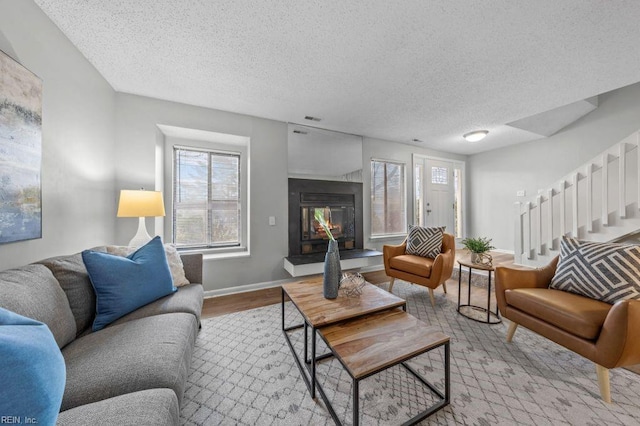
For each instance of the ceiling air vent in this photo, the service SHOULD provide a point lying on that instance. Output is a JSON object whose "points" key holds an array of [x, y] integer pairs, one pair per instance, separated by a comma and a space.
{"points": [[310, 118], [300, 132], [416, 140]]}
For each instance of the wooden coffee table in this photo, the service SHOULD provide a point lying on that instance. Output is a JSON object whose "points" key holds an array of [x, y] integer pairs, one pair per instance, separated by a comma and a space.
{"points": [[317, 311], [367, 334]]}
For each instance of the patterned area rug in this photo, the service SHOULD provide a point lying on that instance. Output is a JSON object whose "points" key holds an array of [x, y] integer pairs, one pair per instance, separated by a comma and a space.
{"points": [[243, 373]]}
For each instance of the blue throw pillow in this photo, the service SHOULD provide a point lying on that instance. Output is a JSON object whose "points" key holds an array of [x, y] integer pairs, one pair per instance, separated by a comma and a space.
{"points": [[32, 371], [123, 284]]}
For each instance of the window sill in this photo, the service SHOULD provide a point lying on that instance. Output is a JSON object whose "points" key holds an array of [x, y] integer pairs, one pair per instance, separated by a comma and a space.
{"points": [[386, 237], [216, 254]]}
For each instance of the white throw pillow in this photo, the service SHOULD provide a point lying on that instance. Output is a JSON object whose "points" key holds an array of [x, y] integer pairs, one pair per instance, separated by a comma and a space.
{"points": [[173, 258]]}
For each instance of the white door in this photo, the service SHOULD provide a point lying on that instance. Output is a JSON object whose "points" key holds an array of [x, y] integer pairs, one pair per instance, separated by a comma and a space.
{"points": [[440, 195]]}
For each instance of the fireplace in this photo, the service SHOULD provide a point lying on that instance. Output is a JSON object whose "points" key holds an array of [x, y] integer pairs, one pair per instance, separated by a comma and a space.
{"points": [[341, 205]]}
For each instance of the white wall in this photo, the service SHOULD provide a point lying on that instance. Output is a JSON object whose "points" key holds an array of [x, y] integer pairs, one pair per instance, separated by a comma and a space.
{"points": [[137, 118], [386, 150], [78, 198], [494, 177]]}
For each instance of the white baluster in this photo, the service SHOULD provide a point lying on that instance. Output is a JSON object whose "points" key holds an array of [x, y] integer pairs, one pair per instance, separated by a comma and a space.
{"points": [[622, 180], [574, 190], [518, 234], [638, 166], [589, 197], [563, 218], [527, 231], [538, 223], [550, 218], [605, 189]]}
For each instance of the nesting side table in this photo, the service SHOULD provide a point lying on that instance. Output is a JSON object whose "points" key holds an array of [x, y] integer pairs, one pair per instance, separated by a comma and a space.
{"points": [[468, 309]]}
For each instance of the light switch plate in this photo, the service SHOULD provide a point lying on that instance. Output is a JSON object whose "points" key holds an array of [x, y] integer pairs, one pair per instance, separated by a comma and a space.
{"points": [[521, 193]]}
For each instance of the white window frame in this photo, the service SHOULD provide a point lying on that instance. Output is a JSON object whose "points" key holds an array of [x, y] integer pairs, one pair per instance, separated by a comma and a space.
{"points": [[374, 236], [215, 142]]}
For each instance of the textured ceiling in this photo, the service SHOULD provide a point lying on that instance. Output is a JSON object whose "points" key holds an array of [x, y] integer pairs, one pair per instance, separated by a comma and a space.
{"points": [[431, 70]]}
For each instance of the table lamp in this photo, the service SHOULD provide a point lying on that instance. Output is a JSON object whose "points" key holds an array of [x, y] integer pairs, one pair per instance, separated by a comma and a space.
{"points": [[140, 204]]}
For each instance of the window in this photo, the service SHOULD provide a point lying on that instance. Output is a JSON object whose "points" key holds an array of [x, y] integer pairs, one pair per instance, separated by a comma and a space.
{"points": [[417, 195], [207, 210], [388, 204], [439, 175]]}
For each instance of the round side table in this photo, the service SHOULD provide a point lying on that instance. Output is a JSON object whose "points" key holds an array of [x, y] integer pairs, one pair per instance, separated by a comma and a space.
{"points": [[467, 309]]}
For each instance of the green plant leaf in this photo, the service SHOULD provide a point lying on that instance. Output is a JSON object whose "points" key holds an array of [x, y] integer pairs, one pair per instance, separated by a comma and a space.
{"points": [[478, 245], [319, 216]]}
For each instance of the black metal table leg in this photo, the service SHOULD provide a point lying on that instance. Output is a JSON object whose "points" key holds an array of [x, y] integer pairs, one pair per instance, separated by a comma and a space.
{"points": [[306, 343], [356, 402], [313, 362], [469, 289], [447, 373], [459, 284], [489, 299], [282, 290]]}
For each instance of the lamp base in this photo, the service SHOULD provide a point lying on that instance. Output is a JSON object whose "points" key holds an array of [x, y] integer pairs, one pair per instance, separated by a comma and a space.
{"points": [[142, 236]]}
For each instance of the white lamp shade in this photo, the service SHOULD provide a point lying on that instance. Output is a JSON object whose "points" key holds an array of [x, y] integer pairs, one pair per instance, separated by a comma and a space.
{"points": [[140, 203]]}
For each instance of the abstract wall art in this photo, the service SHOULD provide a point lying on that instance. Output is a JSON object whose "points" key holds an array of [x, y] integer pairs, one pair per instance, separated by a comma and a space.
{"points": [[20, 152]]}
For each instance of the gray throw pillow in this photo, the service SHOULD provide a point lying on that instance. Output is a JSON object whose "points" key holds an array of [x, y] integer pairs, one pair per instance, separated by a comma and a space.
{"points": [[424, 242], [602, 271]]}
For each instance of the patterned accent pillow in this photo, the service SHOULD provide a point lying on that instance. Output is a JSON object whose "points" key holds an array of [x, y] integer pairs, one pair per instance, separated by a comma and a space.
{"points": [[424, 242], [602, 271], [173, 259]]}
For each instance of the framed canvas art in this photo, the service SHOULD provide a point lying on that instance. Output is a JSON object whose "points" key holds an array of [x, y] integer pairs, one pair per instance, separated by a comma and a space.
{"points": [[20, 152]]}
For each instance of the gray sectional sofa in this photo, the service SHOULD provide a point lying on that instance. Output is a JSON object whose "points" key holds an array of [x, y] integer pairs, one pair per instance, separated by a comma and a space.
{"points": [[134, 371]]}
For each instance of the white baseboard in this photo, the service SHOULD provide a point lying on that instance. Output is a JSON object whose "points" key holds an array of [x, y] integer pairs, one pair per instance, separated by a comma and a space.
{"points": [[268, 284], [373, 268], [504, 251], [246, 288]]}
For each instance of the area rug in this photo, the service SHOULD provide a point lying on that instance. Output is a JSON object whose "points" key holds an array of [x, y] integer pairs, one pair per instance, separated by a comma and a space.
{"points": [[243, 373]]}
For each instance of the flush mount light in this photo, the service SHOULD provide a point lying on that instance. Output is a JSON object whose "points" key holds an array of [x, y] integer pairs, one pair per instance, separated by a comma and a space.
{"points": [[476, 135]]}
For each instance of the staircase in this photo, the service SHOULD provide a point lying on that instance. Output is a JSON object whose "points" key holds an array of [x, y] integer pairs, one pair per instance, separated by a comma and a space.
{"points": [[599, 201]]}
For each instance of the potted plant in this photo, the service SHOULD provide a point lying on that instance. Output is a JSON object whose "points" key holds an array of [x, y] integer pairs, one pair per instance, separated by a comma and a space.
{"points": [[478, 247]]}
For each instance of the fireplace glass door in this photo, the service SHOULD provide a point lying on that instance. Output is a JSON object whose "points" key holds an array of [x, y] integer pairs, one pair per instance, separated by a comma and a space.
{"points": [[341, 223]]}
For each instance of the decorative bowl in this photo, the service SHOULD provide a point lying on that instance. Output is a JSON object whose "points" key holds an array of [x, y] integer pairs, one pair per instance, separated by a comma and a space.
{"points": [[352, 283]]}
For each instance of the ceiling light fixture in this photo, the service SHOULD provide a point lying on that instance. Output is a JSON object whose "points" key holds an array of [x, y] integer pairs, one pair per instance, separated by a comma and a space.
{"points": [[476, 135]]}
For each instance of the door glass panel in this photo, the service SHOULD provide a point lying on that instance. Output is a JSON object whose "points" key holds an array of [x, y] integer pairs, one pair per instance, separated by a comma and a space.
{"points": [[457, 202], [439, 175]]}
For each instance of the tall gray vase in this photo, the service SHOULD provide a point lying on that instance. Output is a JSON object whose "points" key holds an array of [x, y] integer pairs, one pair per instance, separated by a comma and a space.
{"points": [[332, 271]]}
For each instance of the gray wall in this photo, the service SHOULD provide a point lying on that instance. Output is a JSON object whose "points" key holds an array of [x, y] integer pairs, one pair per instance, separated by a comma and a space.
{"points": [[494, 177], [137, 118], [77, 138]]}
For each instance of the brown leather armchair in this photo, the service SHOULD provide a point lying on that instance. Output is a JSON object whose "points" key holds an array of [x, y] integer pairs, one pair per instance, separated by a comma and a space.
{"points": [[420, 270], [603, 333]]}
